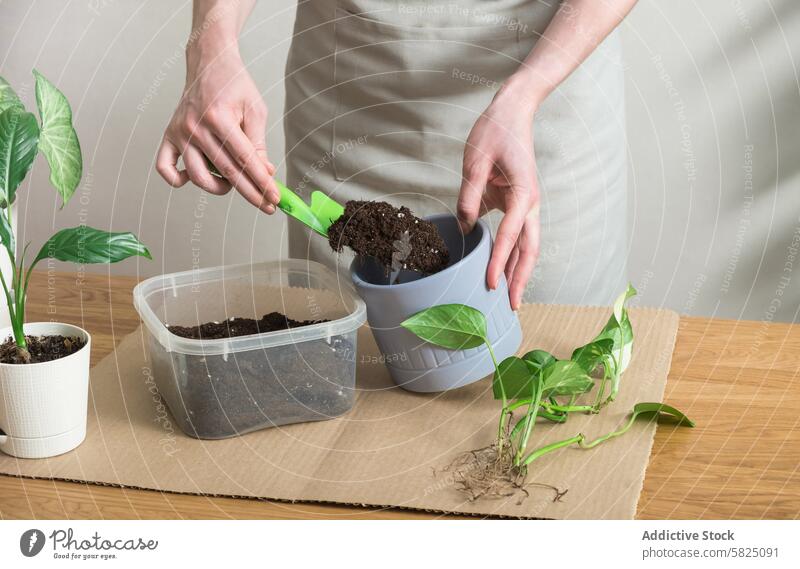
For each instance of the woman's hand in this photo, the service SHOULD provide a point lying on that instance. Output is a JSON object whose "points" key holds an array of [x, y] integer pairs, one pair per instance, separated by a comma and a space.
{"points": [[499, 172], [223, 117], [499, 164]]}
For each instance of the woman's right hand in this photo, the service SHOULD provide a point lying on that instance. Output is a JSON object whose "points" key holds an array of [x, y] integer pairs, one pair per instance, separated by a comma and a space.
{"points": [[223, 117]]}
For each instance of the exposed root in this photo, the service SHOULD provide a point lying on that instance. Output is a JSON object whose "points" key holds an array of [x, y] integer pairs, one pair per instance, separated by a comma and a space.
{"points": [[487, 473], [24, 355]]}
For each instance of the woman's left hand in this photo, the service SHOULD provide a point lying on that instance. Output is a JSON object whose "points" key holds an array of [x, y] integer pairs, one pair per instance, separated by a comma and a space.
{"points": [[499, 172]]}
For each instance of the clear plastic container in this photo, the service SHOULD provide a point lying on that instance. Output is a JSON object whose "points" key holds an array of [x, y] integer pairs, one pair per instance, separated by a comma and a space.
{"points": [[226, 387]]}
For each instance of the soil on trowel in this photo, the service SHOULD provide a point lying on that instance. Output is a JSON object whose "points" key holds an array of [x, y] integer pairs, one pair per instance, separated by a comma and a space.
{"points": [[40, 349], [396, 238], [233, 327]]}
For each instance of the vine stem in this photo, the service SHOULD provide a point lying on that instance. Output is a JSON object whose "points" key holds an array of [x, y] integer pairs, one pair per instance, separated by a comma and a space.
{"points": [[567, 408], [617, 371], [558, 417], [505, 412], [518, 403], [551, 447], [533, 410], [601, 389], [580, 439], [610, 435]]}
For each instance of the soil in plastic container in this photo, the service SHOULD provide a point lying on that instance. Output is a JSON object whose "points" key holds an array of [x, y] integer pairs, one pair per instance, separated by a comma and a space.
{"points": [[219, 396], [271, 322]]}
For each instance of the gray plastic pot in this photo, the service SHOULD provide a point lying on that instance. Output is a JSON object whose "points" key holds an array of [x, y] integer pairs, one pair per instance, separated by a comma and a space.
{"points": [[413, 363]]}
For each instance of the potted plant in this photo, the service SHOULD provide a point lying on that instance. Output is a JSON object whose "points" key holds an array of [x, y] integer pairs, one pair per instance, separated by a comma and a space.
{"points": [[44, 366]]}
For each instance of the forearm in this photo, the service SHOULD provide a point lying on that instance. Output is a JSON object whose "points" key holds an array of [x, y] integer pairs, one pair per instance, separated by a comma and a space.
{"points": [[216, 25], [578, 27]]}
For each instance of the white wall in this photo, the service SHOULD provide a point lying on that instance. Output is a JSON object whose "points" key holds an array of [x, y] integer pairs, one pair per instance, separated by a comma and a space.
{"points": [[706, 80], [714, 136]]}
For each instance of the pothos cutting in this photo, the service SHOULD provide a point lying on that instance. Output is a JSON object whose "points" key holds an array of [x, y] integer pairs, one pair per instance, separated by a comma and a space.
{"points": [[542, 387]]}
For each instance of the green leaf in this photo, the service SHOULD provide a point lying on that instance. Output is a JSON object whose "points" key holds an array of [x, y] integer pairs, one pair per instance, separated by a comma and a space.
{"points": [[661, 409], [87, 245], [643, 410], [592, 354], [516, 377], [452, 326], [7, 236], [619, 305], [8, 98], [565, 378], [19, 134], [58, 139], [619, 329], [538, 359]]}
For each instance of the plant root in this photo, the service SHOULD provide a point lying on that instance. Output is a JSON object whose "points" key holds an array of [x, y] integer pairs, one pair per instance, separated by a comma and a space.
{"points": [[487, 473], [24, 355]]}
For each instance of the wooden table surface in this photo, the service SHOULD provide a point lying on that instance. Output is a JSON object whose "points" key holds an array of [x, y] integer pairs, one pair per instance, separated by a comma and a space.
{"points": [[738, 380]]}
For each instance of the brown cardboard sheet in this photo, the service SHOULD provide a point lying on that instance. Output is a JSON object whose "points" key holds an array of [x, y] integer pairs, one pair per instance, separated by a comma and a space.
{"points": [[387, 450]]}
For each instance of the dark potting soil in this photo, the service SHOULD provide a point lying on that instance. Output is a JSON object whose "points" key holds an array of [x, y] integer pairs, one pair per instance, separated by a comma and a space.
{"points": [[40, 348], [233, 327], [220, 396], [394, 237]]}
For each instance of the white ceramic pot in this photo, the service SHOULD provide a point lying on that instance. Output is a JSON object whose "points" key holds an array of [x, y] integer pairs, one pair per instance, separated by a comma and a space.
{"points": [[43, 406]]}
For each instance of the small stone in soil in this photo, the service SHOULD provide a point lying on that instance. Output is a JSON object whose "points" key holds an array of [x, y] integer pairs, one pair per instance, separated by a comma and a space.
{"points": [[394, 237], [233, 327], [40, 348]]}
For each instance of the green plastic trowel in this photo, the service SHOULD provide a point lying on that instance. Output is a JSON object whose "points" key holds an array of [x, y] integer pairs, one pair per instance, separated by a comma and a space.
{"points": [[319, 216]]}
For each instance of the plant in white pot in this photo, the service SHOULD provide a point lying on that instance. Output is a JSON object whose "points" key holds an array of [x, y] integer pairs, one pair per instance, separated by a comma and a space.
{"points": [[44, 366]]}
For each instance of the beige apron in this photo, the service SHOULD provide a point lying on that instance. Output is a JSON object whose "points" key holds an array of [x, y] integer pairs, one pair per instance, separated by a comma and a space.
{"points": [[380, 98]]}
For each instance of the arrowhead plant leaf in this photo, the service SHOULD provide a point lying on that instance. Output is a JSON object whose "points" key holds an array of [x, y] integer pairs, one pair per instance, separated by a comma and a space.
{"points": [[58, 139], [8, 98], [87, 245], [19, 135], [7, 236]]}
